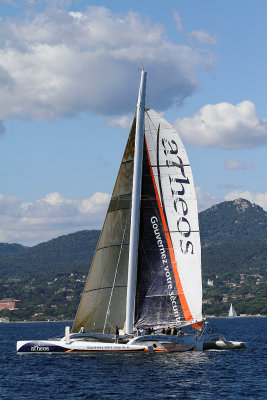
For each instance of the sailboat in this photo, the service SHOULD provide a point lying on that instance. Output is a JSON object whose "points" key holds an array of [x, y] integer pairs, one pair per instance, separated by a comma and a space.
{"points": [[232, 313], [145, 277]]}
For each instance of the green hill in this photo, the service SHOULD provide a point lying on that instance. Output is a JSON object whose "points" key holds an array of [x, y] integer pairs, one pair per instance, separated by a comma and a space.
{"points": [[49, 278], [10, 249], [236, 221], [61, 255]]}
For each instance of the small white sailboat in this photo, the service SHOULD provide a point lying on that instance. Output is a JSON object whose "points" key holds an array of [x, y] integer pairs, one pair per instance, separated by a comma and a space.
{"points": [[146, 272], [232, 312]]}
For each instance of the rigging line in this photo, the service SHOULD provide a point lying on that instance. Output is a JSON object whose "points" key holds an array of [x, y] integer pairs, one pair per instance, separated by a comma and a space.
{"points": [[113, 245], [111, 326], [175, 166], [115, 276], [103, 288]]}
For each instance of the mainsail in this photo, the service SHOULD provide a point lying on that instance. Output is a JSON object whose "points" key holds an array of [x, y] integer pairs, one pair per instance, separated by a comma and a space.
{"points": [[167, 286], [232, 312]]}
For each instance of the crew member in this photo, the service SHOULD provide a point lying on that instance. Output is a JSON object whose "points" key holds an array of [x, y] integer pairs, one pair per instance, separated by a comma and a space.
{"points": [[181, 332], [117, 333]]}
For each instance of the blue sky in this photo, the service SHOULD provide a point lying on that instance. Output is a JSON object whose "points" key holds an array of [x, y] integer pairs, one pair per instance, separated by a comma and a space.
{"points": [[69, 76]]}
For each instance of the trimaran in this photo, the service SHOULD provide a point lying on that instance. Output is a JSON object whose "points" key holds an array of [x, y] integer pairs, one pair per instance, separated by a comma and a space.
{"points": [[146, 271]]}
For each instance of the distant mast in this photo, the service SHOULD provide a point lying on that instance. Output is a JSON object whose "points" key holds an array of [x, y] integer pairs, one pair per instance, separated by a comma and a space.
{"points": [[135, 210]]}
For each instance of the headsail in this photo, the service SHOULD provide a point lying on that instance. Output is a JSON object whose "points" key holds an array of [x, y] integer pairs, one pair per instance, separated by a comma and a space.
{"points": [[169, 287]]}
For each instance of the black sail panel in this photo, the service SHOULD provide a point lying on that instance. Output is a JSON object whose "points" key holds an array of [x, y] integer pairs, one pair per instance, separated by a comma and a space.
{"points": [[157, 301]]}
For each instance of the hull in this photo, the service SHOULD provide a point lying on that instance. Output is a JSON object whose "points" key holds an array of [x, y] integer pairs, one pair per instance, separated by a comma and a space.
{"points": [[220, 343], [74, 347], [169, 343], [148, 343]]}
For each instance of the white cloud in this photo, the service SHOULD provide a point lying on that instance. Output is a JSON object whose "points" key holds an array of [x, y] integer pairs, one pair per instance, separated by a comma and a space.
{"points": [[123, 122], [56, 64], [205, 199], [30, 223], [234, 164], [178, 20], [225, 125], [254, 197], [202, 37], [95, 204]]}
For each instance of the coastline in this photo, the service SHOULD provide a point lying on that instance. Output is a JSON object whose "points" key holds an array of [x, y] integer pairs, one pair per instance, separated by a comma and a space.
{"points": [[71, 321]]}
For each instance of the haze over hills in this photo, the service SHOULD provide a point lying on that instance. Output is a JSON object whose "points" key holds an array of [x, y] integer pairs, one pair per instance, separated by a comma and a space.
{"points": [[234, 257]]}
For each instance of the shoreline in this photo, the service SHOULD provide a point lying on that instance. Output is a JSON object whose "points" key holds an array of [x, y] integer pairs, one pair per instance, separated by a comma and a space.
{"points": [[71, 321]]}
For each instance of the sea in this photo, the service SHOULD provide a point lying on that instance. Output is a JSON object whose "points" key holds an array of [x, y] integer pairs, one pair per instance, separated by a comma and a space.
{"points": [[210, 375]]}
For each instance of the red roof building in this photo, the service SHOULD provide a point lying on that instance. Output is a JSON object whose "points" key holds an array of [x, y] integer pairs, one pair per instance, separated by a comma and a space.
{"points": [[9, 304]]}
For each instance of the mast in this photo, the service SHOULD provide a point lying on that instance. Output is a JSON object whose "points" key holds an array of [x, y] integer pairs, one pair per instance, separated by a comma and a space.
{"points": [[135, 210]]}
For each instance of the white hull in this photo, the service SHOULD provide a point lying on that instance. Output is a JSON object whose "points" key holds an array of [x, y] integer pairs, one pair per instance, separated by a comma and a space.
{"points": [[220, 343], [148, 343]]}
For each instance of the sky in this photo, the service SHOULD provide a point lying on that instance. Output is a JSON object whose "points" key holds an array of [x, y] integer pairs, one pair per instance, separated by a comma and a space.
{"points": [[69, 77]]}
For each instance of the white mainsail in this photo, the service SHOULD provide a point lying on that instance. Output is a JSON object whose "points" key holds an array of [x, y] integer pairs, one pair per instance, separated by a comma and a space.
{"points": [[172, 171], [232, 312]]}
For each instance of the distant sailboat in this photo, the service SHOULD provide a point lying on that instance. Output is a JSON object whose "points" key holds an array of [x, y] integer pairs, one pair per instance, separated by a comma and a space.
{"points": [[146, 272], [232, 313]]}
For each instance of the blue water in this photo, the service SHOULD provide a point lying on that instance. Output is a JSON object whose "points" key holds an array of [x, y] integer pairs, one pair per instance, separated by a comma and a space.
{"points": [[230, 374]]}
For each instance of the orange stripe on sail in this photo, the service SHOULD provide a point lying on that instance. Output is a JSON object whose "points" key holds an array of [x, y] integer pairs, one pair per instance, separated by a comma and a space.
{"points": [[198, 325], [186, 311]]}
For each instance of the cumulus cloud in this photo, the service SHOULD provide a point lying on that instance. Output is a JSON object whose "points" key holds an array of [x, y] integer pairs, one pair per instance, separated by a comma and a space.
{"points": [[225, 125], [206, 200], [202, 37], [123, 122], [57, 63], [253, 197], [30, 223], [234, 164]]}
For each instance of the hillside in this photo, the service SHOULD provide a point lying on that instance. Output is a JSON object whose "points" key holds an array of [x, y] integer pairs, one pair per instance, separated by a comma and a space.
{"points": [[236, 221], [49, 277], [10, 249], [61, 255]]}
